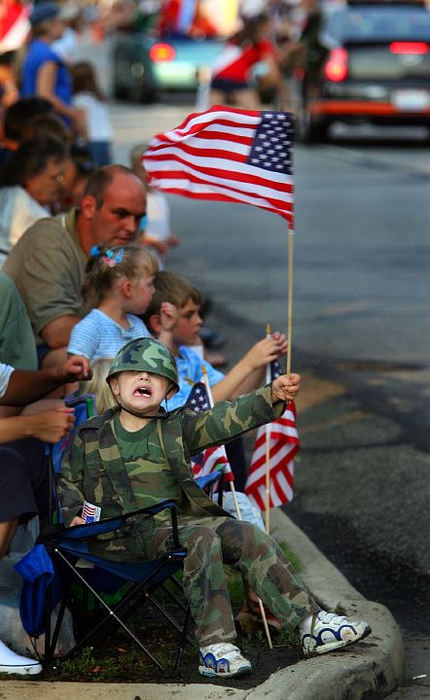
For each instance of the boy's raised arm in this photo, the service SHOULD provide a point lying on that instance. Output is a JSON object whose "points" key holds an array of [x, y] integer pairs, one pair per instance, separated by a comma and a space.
{"points": [[227, 419]]}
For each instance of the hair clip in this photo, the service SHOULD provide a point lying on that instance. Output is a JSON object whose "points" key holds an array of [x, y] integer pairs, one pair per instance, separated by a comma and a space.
{"points": [[95, 251], [111, 259]]}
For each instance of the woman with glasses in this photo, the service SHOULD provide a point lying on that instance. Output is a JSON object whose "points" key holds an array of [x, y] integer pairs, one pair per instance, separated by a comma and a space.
{"points": [[33, 182]]}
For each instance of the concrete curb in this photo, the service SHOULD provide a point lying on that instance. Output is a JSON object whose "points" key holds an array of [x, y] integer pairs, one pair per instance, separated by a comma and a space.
{"points": [[370, 669]]}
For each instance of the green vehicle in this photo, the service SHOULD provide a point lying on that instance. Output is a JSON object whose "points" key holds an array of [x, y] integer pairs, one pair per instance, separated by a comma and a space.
{"points": [[144, 66]]}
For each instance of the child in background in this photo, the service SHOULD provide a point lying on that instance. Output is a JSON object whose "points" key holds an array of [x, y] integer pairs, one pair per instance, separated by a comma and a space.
{"points": [[156, 231], [87, 96], [98, 386], [118, 285], [246, 375]]}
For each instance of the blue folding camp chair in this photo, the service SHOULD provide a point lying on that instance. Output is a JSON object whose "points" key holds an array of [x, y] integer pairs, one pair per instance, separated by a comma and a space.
{"points": [[54, 563]]}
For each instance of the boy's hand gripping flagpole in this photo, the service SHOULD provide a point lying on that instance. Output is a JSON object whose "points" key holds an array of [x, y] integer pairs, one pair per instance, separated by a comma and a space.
{"points": [[239, 517]]}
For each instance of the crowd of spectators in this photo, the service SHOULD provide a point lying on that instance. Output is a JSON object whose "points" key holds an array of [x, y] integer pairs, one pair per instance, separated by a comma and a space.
{"points": [[81, 240]]}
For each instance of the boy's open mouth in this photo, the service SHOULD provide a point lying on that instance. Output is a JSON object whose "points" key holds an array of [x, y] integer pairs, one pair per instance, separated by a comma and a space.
{"points": [[142, 391]]}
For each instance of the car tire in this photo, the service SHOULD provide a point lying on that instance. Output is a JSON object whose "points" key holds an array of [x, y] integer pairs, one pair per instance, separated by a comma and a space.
{"points": [[314, 132], [142, 88], [119, 92], [141, 94]]}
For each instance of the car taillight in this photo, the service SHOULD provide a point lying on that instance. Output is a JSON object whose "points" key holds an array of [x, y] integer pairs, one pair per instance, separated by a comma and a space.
{"points": [[336, 68], [162, 52], [409, 47]]}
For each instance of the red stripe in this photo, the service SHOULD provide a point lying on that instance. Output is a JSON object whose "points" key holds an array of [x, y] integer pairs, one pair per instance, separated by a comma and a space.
{"points": [[185, 129], [223, 198], [282, 495], [195, 151], [226, 174], [204, 135], [277, 204], [273, 469], [278, 435]]}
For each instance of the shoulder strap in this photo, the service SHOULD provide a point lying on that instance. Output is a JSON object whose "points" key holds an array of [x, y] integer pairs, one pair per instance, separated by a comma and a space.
{"points": [[169, 432]]}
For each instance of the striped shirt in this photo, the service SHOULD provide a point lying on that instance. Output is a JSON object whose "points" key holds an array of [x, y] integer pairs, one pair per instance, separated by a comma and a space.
{"points": [[97, 336], [5, 372]]}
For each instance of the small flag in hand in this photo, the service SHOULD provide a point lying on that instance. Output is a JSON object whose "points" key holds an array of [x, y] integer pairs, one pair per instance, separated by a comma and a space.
{"points": [[90, 512], [213, 458], [284, 444], [227, 154]]}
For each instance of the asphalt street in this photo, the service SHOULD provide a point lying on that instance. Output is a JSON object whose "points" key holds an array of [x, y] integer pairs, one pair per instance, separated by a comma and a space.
{"points": [[361, 335]]}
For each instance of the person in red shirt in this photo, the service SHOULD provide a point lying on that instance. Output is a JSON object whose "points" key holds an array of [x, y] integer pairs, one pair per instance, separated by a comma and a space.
{"points": [[232, 79]]}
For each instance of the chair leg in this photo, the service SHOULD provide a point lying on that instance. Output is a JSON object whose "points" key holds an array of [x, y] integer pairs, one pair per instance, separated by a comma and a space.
{"points": [[111, 614], [184, 639]]}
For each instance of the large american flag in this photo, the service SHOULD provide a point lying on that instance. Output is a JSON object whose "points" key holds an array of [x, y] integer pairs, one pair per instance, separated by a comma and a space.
{"points": [[213, 458], [284, 444], [227, 154]]}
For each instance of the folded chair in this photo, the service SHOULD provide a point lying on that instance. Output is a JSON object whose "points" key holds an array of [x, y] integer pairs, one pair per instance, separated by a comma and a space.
{"points": [[62, 557]]}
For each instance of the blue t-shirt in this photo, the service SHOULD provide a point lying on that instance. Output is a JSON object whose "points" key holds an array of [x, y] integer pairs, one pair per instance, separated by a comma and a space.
{"points": [[39, 53], [189, 365], [97, 336]]}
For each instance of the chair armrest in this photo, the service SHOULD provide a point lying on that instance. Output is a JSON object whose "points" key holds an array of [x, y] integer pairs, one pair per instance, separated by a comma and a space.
{"points": [[87, 531]]}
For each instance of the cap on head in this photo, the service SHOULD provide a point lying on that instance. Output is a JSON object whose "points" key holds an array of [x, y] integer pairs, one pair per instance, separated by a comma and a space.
{"points": [[44, 11], [148, 355]]}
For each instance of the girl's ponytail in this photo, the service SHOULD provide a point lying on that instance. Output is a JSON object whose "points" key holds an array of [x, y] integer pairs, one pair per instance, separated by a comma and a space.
{"points": [[107, 265]]}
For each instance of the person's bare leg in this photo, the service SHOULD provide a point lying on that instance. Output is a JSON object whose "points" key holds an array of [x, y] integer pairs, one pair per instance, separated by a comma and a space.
{"points": [[7, 531], [216, 97], [10, 662], [246, 99]]}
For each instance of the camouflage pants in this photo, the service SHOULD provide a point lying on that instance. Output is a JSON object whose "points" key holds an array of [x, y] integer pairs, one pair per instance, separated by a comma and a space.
{"points": [[212, 542]]}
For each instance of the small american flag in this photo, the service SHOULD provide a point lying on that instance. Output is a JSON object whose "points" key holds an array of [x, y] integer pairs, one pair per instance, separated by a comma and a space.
{"points": [[213, 458], [284, 445], [227, 154], [90, 512]]}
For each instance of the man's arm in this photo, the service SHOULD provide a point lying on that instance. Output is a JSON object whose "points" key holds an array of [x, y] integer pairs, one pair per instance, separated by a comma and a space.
{"points": [[49, 426], [47, 270], [56, 334], [25, 387]]}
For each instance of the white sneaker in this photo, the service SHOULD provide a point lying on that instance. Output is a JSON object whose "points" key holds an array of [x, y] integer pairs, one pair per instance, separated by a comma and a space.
{"points": [[13, 663], [223, 660], [326, 631]]}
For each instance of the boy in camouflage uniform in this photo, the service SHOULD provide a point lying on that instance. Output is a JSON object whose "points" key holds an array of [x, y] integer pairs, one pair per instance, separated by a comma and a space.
{"points": [[139, 454]]}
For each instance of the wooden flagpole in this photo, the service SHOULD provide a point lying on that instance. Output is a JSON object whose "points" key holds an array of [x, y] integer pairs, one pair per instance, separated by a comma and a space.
{"points": [[239, 517], [268, 379], [290, 297]]}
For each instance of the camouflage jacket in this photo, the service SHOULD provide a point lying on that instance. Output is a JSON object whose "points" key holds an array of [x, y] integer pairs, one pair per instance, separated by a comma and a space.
{"points": [[93, 469]]}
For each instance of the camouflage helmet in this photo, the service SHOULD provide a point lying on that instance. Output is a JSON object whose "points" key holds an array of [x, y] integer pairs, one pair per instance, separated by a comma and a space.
{"points": [[146, 354]]}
